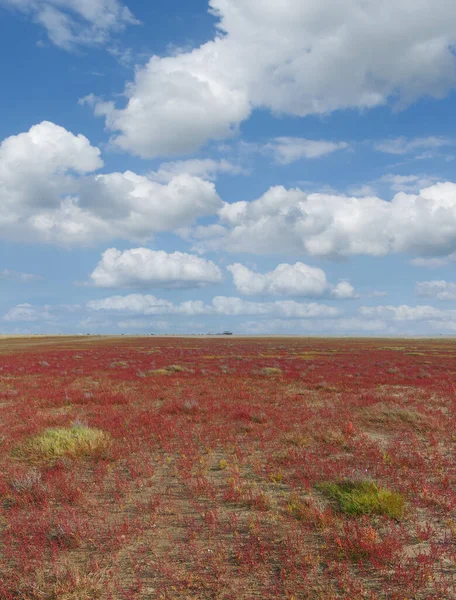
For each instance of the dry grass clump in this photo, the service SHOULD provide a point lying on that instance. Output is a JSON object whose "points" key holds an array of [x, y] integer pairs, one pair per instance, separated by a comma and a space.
{"points": [[364, 498], [297, 438], [175, 369], [72, 442], [271, 371], [168, 370], [395, 415]]}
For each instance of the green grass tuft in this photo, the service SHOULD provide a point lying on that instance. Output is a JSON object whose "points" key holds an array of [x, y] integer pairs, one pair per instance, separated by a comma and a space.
{"points": [[364, 498], [59, 442]]}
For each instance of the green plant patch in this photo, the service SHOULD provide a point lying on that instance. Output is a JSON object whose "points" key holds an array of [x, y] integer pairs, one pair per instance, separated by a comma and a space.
{"points": [[364, 498], [66, 441]]}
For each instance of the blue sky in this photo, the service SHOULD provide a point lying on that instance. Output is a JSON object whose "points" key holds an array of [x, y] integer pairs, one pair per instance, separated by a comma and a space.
{"points": [[263, 167]]}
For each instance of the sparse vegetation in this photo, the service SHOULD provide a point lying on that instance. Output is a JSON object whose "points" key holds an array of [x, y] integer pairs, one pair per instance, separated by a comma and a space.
{"points": [[177, 469]]}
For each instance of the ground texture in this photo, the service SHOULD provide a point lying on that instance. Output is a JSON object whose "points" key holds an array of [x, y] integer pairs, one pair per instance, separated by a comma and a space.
{"points": [[230, 469]]}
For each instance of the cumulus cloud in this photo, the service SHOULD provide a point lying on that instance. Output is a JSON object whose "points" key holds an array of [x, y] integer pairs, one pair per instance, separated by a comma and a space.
{"points": [[329, 225], [285, 280], [73, 23], [402, 145], [344, 291], [17, 276], [145, 304], [141, 267], [297, 58], [46, 150], [287, 150], [441, 290], [288, 280], [207, 104], [49, 192], [205, 168]]}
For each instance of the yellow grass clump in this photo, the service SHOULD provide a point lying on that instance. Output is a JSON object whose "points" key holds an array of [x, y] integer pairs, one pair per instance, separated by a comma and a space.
{"points": [[168, 370], [59, 442], [271, 371]]}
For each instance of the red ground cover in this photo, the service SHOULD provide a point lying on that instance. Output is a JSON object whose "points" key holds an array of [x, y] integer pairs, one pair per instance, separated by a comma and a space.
{"points": [[211, 488]]}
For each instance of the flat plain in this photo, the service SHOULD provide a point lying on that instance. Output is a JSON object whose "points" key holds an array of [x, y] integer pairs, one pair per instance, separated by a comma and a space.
{"points": [[227, 468]]}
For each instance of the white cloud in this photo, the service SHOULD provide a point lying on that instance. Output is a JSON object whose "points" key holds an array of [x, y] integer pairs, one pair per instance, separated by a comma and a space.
{"points": [[141, 267], [72, 23], [144, 324], [48, 192], [344, 291], [291, 221], [408, 183], [285, 308], [288, 280], [407, 313], [133, 303], [404, 145], [433, 263], [318, 326], [206, 168], [441, 290], [285, 280], [90, 324], [16, 276], [28, 313], [177, 103], [443, 326], [145, 304], [361, 190], [46, 150], [287, 150], [297, 58]]}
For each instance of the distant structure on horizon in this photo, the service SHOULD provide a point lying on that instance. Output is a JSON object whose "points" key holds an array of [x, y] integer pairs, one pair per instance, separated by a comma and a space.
{"points": [[222, 333]]}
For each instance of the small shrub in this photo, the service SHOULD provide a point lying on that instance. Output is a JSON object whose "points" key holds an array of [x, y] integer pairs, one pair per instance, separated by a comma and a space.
{"points": [[259, 417], [64, 535], [59, 442], [298, 509], [27, 482], [307, 510], [276, 477], [364, 498], [359, 542], [190, 406]]}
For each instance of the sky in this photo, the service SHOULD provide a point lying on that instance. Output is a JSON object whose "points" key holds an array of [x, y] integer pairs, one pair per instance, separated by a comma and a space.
{"points": [[194, 166]]}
